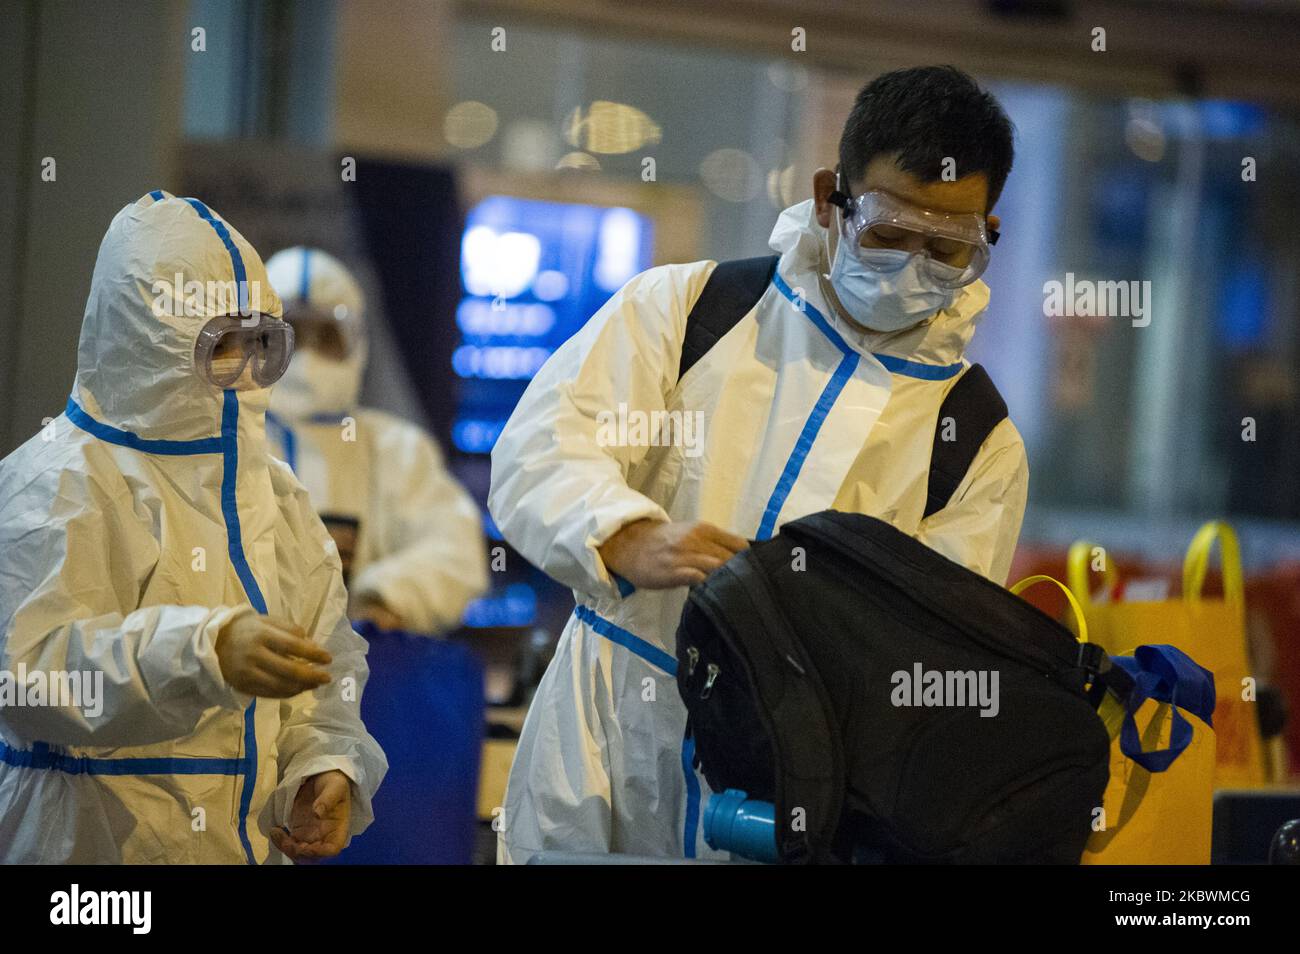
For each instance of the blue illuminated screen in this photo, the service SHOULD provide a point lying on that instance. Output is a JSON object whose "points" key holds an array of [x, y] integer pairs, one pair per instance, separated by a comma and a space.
{"points": [[532, 273]]}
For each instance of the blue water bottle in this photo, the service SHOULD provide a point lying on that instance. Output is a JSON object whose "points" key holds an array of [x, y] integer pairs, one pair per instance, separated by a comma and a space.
{"points": [[736, 823]]}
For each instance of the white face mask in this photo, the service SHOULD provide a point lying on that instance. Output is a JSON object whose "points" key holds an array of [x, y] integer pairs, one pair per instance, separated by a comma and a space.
{"points": [[315, 384], [892, 292]]}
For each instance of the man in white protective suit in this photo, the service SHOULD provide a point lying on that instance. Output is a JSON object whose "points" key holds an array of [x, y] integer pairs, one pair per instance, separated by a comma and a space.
{"points": [[823, 395], [171, 578], [410, 536]]}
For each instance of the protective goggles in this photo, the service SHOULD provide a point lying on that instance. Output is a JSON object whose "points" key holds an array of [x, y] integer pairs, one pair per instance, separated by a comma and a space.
{"points": [[955, 245], [317, 330], [229, 343]]}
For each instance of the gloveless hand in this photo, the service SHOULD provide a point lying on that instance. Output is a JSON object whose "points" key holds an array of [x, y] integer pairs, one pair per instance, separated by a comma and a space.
{"points": [[654, 555]]}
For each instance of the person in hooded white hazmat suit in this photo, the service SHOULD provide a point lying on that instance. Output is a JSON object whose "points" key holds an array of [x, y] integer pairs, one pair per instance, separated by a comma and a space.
{"points": [[412, 541], [825, 395], [154, 552]]}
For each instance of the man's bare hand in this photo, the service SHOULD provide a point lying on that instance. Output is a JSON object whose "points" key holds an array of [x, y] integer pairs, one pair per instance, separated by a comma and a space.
{"points": [[653, 555], [266, 656]]}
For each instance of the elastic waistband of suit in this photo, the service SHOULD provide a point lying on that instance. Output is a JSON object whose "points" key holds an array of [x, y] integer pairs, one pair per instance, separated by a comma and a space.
{"points": [[42, 757]]}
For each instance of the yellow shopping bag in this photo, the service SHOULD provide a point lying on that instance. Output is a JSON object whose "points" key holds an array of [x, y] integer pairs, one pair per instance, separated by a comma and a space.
{"points": [[1157, 807], [1151, 818], [1211, 631]]}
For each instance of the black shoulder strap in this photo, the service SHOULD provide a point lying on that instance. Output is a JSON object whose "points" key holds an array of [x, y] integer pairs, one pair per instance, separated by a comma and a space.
{"points": [[973, 403], [731, 291], [975, 408]]}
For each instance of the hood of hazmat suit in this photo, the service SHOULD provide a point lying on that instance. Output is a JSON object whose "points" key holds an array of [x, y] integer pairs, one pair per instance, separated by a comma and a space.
{"points": [[316, 385], [132, 528], [416, 534], [793, 411]]}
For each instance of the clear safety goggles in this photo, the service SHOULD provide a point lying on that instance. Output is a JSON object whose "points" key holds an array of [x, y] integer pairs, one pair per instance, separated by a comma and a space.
{"points": [[321, 331], [228, 344], [955, 246]]}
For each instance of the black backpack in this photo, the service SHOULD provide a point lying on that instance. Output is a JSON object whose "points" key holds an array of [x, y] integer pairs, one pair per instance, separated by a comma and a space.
{"points": [[788, 661], [973, 402]]}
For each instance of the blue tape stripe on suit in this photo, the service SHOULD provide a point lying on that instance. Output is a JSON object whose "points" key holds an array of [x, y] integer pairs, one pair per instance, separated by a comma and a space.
{"points": [[616, 634], [660, 660], [843, 371], [236, 259], [40, 756], [235, 542], [115, 435]]}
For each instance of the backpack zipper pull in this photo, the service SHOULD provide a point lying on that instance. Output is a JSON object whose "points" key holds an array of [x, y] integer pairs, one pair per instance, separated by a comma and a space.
{"points": [[693, 660], [713, 672]]}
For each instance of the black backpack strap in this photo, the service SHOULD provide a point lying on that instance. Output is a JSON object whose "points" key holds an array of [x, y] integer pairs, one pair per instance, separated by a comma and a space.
{"points": [[731, 291], [975, 407]]}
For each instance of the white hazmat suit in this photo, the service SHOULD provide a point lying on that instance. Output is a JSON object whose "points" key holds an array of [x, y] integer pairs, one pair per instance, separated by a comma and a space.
{"points": [[800, 413], [132, 529], [420, 549]]}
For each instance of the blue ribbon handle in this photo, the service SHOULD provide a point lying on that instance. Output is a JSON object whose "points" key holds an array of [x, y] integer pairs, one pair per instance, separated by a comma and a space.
{"points": [[1165, 674]]}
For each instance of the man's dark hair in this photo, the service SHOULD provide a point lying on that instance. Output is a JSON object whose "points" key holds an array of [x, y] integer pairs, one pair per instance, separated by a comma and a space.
{"points": [[926, 114]]}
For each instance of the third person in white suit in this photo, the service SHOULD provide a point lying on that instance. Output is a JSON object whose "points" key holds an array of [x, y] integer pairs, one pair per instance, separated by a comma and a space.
{"points": [[825, 395], [410, 536]]}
